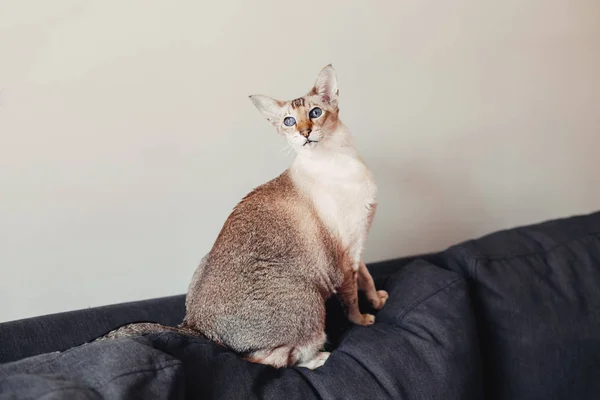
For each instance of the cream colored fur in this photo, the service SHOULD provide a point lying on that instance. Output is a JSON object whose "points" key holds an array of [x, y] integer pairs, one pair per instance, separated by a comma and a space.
{"points": [[342, 190], [329, 170]]}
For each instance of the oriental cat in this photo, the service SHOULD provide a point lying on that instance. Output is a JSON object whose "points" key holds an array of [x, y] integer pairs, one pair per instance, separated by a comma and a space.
{"points": [[288, 245]]}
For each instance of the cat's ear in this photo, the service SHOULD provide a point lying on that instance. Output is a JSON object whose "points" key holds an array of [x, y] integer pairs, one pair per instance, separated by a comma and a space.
{"points": [[269, 107], [326, 86]]}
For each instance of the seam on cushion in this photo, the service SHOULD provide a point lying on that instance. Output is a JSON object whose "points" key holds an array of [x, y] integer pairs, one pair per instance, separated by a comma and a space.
{"points": [[362, 365], [33, 369], [83, 388], [593, 235], [305, 378], [91, 388], [61, 354], [476, 267], [423, 300], [172, 364]]}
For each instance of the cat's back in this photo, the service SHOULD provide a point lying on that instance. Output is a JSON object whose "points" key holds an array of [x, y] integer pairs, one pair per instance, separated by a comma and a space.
{"points": [[273, 253], [271, 218]]}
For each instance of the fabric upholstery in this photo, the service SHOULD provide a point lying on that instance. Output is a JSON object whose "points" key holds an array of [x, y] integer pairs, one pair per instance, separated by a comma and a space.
{"points": [[536, 292], [57, 332], [423, 345]]}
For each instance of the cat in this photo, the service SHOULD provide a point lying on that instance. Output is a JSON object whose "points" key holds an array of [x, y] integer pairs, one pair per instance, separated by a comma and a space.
{"points": [[288, 245]]}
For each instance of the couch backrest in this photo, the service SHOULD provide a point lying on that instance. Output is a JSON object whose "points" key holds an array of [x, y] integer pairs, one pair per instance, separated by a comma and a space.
{"points": [[57, 332], [536, 293]]}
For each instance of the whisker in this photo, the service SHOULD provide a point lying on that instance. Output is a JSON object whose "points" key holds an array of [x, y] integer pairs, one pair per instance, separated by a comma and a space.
{"points": [[287, 149]]}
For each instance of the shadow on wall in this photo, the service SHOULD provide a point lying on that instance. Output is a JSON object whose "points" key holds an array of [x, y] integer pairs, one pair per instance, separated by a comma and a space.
{"points": [[475, 182], [426, 209]]}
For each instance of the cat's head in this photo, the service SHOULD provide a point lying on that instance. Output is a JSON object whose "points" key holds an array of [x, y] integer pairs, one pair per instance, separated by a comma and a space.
{"points": [[308, 122]]}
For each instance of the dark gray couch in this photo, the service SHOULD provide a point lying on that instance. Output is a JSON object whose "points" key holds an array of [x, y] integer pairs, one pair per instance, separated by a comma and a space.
{"points": [[513, 315]]}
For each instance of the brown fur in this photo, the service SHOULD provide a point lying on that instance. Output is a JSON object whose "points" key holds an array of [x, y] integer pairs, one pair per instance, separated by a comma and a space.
{"points": [[264, 259], [297, 102], [305, 125]]}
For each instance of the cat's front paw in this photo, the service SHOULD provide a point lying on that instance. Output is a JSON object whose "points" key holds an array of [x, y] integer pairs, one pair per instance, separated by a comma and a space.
{"points": [[382, 297], [364, 319]]}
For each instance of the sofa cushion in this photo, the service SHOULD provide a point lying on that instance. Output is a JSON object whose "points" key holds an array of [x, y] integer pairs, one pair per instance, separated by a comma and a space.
{"points": [[121, 369], [536, 292], [423, 345], [57, 332]]}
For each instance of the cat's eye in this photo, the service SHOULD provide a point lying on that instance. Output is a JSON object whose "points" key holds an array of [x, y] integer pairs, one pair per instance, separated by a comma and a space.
{"points": [[315, 113], [289, 121]]}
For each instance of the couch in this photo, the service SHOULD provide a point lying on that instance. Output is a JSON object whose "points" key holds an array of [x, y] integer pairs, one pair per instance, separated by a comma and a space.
{"points": [[512, 315]]}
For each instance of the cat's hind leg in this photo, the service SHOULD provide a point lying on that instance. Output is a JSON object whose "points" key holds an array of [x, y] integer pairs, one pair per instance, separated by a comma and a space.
{"points": [[278, 357], [307, 355], [310, 355], [317, 361]]}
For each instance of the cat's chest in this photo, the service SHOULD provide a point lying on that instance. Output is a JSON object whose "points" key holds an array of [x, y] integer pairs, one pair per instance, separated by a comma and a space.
{"points": [[344, 207], [343, 195]]}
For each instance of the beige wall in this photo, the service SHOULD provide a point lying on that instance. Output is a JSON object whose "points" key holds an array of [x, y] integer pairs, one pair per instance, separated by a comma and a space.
{"points": [[126, 134]]}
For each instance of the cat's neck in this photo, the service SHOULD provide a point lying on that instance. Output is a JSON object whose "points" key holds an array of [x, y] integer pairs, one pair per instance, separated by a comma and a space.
{"points": [[341, 189], [336, 159]]}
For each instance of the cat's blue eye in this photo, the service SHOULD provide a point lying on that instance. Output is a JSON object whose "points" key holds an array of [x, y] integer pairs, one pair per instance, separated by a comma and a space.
{"points": [[289, 121], [315, 113]]}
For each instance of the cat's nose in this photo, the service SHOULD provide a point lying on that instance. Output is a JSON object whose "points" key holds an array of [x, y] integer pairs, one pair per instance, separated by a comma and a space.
{"points": [[306, 132]]}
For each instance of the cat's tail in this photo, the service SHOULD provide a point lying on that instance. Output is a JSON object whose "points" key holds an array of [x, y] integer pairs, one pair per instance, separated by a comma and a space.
{"points": [[142, 328]]}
